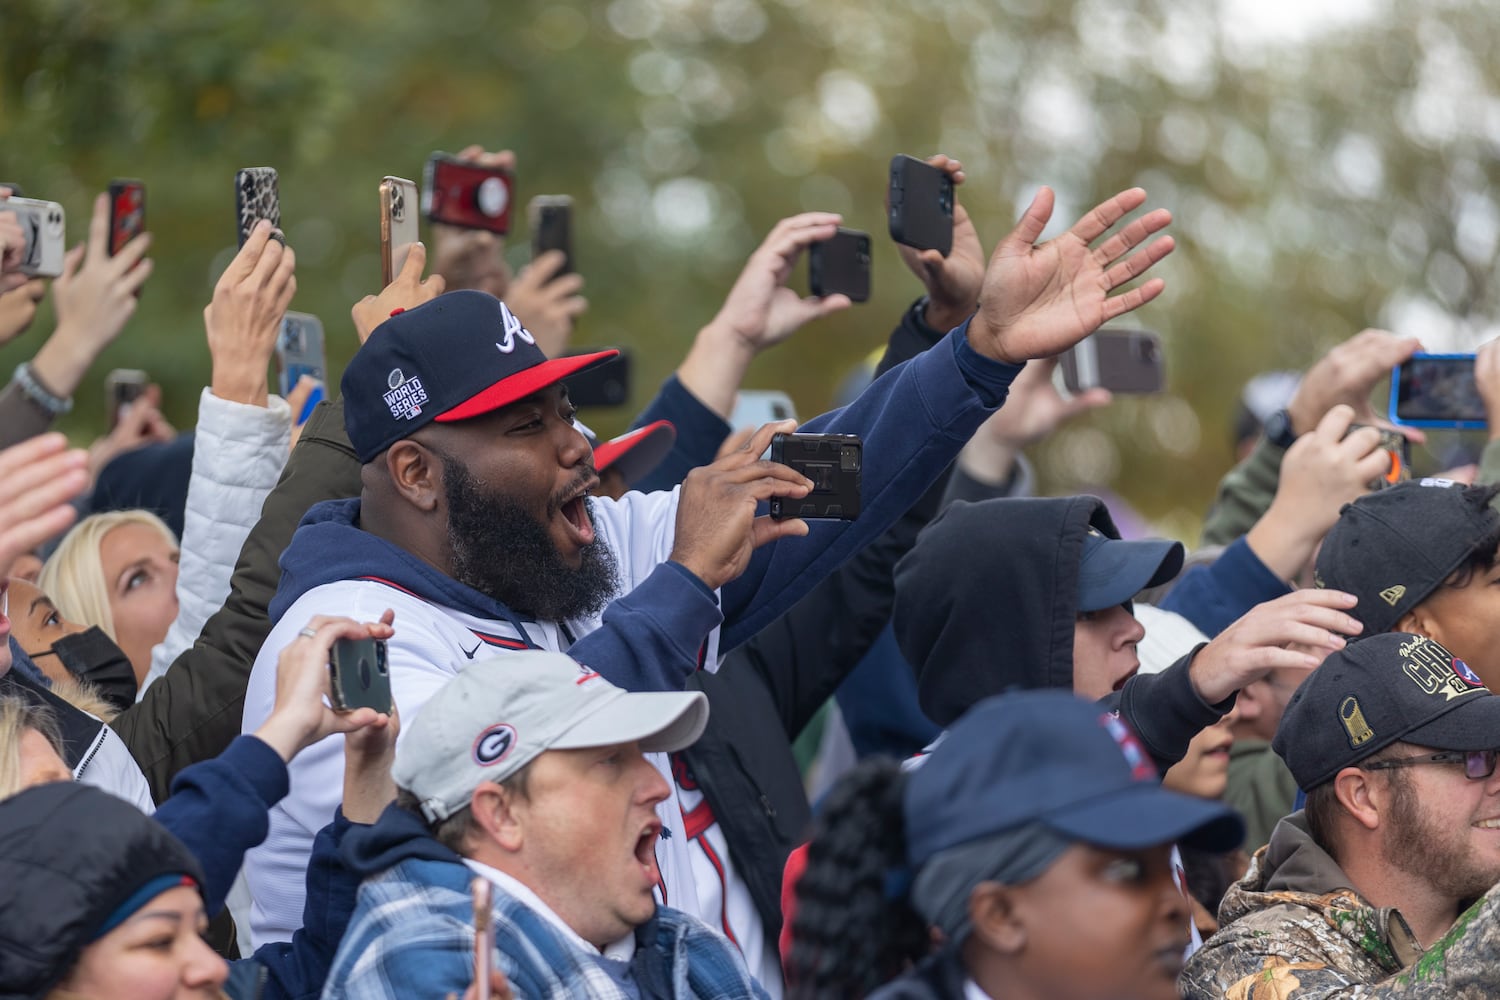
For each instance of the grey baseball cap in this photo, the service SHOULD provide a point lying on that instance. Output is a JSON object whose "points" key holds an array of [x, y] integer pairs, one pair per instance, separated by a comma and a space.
{"points": [[499, 714]]}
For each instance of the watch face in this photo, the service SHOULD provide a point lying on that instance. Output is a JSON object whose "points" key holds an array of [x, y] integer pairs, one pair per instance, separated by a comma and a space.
{"points": [[1279, 429]]}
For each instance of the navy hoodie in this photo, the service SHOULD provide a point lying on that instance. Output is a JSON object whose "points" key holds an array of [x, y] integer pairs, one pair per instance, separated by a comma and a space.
{"points": [[987, 602]]}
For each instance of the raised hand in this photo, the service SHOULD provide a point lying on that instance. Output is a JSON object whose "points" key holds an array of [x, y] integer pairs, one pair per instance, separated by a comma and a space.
{"points": [[1298, 630], [1347, 374], [1038, 300], [1033, 410], [952, 282], [717, 527], [244, 317], [301, 715], [18, 308], [38, 480], [475, 258], [409, 290], [547, 303]]}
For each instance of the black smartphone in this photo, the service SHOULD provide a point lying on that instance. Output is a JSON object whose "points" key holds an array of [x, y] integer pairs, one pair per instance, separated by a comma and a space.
{"points": [[833, 463], [122, 387], [360, 675], [840, 264], [1437, 390], [256, 197], [551, 218], [921, 200], [127, 213], [607, 384], [1125, 361]]}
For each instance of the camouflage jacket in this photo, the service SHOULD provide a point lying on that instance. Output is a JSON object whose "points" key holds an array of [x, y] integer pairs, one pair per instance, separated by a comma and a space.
{"points": [[1292, 929]]}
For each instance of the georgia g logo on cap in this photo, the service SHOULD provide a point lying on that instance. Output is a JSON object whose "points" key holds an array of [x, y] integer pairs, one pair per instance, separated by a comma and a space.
{"points": [[494, 744]]}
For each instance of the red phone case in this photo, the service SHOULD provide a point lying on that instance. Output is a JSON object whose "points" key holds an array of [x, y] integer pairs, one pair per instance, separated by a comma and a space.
{"points": [[468, 195]]}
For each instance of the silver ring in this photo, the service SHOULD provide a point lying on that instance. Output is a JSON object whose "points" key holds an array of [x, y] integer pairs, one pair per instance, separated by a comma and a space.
{"points": [[310, 632]]}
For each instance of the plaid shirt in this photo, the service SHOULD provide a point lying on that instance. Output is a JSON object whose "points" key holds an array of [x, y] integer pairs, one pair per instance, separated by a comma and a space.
{"points": [[412, 936]]}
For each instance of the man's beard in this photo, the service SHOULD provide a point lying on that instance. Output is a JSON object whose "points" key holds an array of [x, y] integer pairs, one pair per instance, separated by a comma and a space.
{"points": [[501, 550], [1435, 851]]}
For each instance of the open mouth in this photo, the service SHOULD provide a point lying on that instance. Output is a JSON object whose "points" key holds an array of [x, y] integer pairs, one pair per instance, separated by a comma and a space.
{"points": [[575, 512], [645, 851], [1120, 684]]}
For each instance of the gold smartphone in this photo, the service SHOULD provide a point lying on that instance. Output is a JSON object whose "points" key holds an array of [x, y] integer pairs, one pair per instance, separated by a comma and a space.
{"points": [[398, 224]]}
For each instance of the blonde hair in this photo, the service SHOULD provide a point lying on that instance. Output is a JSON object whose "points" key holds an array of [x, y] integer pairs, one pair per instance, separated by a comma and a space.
{"points": [[16, 717], [74, 576]]}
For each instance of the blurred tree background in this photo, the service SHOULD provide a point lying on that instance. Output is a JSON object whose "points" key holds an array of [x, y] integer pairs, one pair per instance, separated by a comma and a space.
{"points": [[1330, 166]]}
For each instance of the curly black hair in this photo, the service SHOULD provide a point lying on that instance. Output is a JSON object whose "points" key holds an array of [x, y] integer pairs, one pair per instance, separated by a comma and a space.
{"points": [[848, 936]]}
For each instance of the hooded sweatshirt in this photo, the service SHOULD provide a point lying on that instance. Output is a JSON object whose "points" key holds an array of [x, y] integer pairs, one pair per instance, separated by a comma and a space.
{"points": [[1294, 929], [412, 934], [987, 602]]}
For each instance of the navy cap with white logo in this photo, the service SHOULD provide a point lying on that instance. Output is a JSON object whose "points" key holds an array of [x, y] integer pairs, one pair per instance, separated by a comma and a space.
{"points": [[458, 356]]}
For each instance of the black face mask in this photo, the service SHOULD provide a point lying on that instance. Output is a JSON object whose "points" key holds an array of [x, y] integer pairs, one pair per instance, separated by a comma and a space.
{"points": [[92, 656]]}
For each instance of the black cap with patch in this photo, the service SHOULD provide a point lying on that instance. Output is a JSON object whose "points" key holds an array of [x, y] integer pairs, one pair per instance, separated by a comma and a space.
{"points": [[1373, 692], [1393, 547]]}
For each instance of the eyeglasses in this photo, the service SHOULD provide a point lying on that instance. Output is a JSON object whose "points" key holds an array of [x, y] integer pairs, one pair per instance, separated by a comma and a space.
{"points": [[1478, 764]]}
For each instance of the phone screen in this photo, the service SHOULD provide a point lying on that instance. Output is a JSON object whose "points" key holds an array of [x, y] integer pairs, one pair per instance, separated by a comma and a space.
{"points": [[1438, 388]]}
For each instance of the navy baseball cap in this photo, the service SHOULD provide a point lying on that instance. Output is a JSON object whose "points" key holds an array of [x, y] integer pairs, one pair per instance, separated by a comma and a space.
{"points": [[1052, 757], [1394, 547], [461, 355], [1113, 570], [1375, 691]]}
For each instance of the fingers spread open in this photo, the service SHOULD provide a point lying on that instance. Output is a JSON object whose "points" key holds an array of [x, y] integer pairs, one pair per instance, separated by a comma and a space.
{"points": [[1098, 220]]}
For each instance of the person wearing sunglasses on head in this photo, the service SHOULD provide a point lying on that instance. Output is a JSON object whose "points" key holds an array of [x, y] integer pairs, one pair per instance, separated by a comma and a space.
{"points": [[1382, 886]]}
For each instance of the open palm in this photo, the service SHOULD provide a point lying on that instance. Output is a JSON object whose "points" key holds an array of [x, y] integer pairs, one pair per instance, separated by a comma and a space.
{"points": [[1040, 300]]}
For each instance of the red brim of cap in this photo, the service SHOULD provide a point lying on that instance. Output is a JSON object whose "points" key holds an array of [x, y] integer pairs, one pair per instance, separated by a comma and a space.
{"points": [[524, 383], [638, 452]]}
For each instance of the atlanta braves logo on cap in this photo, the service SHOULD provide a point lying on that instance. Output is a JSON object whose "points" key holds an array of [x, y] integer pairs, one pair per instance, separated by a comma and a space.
{"points": [[513, 329], [1466, 672], [494, 744]]}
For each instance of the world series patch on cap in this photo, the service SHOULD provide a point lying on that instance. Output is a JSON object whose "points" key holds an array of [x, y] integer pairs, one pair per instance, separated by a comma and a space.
{"points": [[1376, 691], [459, 356]]}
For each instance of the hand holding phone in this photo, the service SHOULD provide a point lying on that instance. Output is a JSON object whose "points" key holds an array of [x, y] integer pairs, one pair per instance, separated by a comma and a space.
{"points": [[43, 238], [833, 463], [463, 193], [360, 675], [920, 199], [840, 265], [256, 197], [122, 387]]}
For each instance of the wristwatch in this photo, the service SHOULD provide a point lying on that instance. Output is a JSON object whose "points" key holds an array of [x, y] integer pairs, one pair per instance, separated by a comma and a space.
{"points": [[1278, 428]]}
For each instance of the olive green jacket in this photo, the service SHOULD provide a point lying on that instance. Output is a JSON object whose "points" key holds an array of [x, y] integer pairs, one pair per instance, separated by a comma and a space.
{"points": [[1293, 929], [194, 711]]}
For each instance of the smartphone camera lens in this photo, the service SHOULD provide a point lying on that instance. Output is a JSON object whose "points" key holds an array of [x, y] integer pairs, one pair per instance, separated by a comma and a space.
{"points": [[849, 458], [364, 672]]}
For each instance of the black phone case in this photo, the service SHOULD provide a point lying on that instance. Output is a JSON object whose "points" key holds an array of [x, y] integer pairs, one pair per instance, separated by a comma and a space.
{"points": [[553, 230], [921, 212], [833, 462], [256, 197], [601, 386], [840, 264], [360, 675]]}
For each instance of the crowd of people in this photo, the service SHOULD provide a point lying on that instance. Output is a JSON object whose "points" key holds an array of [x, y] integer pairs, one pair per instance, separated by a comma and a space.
{"points": [[1054, 762]]}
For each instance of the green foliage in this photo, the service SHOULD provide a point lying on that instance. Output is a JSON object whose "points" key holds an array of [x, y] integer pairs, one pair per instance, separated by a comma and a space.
{"points": [[1319, 186]]}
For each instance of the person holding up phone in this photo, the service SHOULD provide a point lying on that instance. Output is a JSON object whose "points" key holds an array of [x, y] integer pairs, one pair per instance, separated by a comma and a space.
{"points": [[94, 298], [547, 299]]}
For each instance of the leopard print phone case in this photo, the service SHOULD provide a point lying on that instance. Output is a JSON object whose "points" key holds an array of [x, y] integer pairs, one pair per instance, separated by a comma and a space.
{"points": [[256, 198]]}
